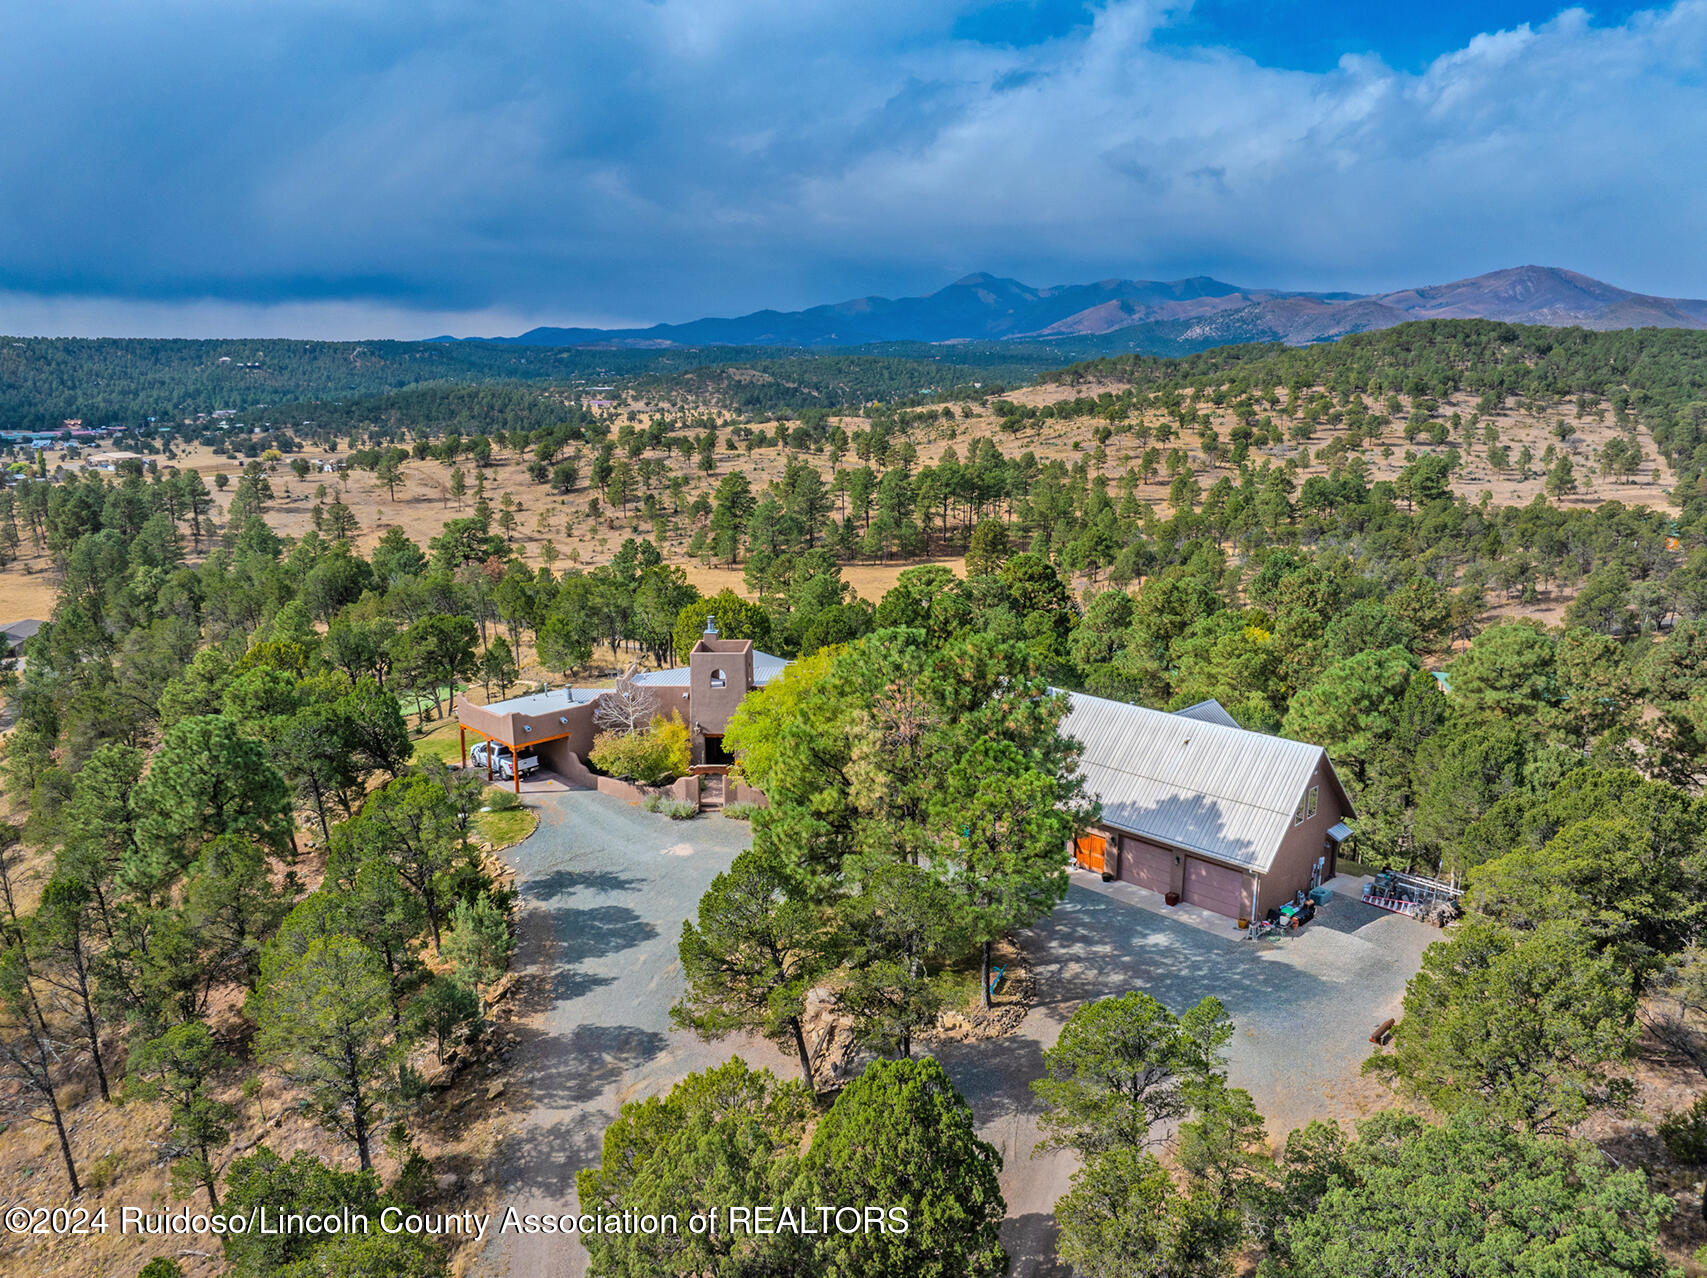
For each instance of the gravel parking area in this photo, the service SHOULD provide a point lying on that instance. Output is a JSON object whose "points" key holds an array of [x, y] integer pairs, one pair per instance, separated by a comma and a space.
{"points": [[605, 888], [1302, 1006]]}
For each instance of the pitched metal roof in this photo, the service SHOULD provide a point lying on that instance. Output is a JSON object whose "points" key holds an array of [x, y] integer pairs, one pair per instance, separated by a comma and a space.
{"points": [[766, 667], [1191, 784], [676, 677], [1210, 711]]}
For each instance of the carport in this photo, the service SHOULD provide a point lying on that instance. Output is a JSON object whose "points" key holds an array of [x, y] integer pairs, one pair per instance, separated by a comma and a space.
{"points": [[545, 723]]}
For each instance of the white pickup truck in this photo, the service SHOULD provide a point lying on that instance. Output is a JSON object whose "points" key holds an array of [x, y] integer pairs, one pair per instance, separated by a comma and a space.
{"points": [[502, 762]]}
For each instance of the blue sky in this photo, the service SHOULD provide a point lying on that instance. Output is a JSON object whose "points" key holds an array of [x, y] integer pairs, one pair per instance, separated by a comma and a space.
{"points": [[376, 168]]}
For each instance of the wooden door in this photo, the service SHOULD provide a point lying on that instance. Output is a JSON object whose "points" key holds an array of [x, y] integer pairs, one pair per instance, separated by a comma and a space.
{"points": [[1090, 852]]}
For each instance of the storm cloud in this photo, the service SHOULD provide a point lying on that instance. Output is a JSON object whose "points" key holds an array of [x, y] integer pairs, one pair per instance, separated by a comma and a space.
{"points": [[386, 169]]}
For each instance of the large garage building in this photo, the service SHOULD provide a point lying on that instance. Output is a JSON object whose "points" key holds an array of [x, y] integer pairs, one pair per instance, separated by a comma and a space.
{"points": [[1194, 805]]}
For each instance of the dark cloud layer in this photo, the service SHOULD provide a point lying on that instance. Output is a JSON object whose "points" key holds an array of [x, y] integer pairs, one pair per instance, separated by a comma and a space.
{"points": [[280, 165]]}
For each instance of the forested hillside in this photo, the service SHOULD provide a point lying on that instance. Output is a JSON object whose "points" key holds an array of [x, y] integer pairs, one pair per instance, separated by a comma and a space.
{"points": [[127, 381], [220, 836]]}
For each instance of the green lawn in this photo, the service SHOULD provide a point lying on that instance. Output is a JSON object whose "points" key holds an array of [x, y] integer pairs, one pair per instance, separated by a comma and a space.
{"points": [[440, 744], [415, 704], [504, 829]]}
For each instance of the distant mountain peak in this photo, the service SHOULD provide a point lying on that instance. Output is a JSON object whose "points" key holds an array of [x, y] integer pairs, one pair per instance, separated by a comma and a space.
{"points": [[1189, 313]]}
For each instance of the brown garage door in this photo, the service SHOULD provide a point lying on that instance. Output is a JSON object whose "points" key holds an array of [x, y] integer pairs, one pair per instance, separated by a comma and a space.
{"points": [[1147, 866], [1214, 887]]}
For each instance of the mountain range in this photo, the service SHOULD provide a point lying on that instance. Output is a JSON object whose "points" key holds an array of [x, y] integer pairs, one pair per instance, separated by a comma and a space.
{"points": [[1189, 314]]}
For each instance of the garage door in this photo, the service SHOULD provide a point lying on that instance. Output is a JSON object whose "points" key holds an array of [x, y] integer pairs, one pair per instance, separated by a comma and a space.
{"points": [[1214, 887], [1147, 866]]}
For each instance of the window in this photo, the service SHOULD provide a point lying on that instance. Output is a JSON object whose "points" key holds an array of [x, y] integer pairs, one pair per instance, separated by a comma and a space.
{"points": [[1313, 790], [717, 679], [1298, 816]]}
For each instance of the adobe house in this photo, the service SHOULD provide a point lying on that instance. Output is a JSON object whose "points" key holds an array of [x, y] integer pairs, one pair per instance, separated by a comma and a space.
{"points": [[1192, 804], [559, 724], [555, 724]]}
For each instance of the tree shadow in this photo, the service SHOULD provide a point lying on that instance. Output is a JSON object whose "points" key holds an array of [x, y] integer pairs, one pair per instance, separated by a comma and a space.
{"points": [[1095, 945], [558, 883], [1030, 1241], [565, 1076], [585, 933], [588, 1061], [994, 1075]]}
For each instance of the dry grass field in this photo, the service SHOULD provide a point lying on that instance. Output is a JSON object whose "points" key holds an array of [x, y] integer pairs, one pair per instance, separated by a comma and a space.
{"points": [[545, 522]]}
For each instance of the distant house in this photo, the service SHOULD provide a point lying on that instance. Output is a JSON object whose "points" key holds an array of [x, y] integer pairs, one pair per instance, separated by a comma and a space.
{"points": [[1192, 804], [108, 460], [14, 636]]}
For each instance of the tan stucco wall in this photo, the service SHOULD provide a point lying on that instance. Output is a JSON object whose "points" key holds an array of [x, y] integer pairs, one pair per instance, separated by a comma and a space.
{"points": [[713, 707]]}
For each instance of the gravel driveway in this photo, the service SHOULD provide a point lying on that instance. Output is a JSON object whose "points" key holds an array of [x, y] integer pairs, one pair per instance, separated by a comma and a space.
{"points": [[605, 889], [606, 886]]}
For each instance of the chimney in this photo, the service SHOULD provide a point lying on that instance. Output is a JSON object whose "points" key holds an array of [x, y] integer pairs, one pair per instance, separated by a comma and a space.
{"points": [[711, 624]]}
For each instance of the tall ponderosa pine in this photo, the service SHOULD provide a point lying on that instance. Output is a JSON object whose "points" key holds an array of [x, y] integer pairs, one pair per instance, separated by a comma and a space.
{"points": [[752, 957], [177, 1068], [325, 1025]]}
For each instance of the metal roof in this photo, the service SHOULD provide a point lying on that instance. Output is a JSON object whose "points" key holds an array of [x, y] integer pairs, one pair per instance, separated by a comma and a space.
{"points": [[1210, 711], [1190, 784], [765, 668], [673, 678]]}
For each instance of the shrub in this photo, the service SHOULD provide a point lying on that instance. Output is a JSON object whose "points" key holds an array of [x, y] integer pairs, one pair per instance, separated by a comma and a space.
{"points": [[498, 800], [740, 811], [103, 1173], [637, 756], [677, 740], [675, 809], [1685, 1133], [662, 753]]}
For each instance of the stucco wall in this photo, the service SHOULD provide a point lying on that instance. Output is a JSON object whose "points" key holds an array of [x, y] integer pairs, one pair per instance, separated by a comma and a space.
{"points": [[739, 793], [713, 707]]}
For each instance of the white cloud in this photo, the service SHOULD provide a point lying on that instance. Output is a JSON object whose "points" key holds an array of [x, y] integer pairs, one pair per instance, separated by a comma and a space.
{"points": [[461, 164]]}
